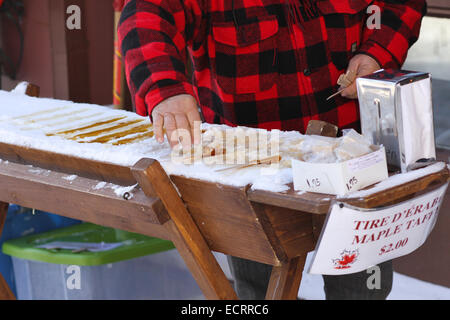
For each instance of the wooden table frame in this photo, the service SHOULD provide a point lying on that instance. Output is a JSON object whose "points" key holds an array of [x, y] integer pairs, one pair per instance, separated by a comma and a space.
{"points": [[276, 229], [199, 217]]}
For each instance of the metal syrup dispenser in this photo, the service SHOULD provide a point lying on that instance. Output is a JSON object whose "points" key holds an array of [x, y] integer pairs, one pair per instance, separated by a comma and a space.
{"points": [[396, 112]]}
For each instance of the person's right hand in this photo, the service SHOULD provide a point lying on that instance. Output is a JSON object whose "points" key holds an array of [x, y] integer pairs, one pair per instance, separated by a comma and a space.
{"points": [[180, 118]]}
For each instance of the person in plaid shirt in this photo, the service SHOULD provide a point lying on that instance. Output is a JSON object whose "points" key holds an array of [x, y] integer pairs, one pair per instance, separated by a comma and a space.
{"points": [[260, 63]]}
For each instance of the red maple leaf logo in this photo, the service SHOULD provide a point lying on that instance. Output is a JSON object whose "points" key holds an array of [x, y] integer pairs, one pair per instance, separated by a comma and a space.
{"points": [[347, 258]]}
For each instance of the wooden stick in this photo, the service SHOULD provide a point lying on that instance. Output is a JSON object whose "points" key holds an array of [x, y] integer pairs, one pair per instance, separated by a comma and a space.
{"points": [[269, 160], [335, 94], [186, 236]]}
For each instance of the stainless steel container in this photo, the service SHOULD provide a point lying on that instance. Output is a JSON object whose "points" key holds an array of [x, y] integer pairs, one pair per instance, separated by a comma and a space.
{"points": [[396, 111]]}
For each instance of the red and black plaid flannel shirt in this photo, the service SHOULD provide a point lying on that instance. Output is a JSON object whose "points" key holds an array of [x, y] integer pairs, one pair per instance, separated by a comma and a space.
{"points": [[251, 66]]}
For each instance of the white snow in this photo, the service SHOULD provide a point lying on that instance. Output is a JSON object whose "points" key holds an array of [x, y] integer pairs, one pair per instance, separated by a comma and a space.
{"points": [[70, 178], [121, 191], [24, 122], [21, 123], [100, 185], [21, 88]]}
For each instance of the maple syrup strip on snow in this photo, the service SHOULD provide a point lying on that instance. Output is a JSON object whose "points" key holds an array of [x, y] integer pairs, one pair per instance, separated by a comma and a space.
{"points": [[68, 120], [134, 139], [39, 113], [104, 130], [85, 126], [58, 116], [121, 134]]}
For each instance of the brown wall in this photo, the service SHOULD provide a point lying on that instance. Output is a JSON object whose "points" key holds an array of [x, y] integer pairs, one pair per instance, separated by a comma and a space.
{"points": [[37, 60], [431, 261], [66, 64], [100, 34], [439, 8]]}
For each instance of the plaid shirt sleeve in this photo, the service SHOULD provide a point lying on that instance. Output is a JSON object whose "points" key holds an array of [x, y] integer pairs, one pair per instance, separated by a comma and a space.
{"points": [[154, 36], [400, 27]]}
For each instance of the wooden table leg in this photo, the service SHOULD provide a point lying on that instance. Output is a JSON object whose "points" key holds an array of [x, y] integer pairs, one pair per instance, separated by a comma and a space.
{"points": [[186, 236], [5, 291], [285, 279]]}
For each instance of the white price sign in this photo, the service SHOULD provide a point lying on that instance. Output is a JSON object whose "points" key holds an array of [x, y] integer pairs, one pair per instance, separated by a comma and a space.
{"points": [[355, 239]]}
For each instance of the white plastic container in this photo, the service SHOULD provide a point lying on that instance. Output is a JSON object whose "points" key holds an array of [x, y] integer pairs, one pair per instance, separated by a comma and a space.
{"points": [[343, 177], [158, 276], [91, 262]]}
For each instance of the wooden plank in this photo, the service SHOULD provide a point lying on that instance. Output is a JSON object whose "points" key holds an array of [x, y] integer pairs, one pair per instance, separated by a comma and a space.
{"points": [[3, 211], [68, 164], [317, 223], [271, 234], [226, 219], [285, 280], [5, 291], [319, 203], [292, 230], [402, 192], [185, 235], [81, 199], [302, 201]]}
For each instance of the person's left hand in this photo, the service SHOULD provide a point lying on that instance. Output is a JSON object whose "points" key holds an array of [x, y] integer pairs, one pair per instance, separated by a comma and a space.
{"points": [[362, 65]]}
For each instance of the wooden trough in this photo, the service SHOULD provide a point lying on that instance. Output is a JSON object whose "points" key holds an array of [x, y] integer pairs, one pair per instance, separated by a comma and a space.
{"points": [[199, 217]]}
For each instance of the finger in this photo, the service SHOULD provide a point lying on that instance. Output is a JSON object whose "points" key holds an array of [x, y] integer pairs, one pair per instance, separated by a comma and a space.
{"points": [[351, 73], [195, 124], [350, 92], [158, 124], [347, 78], [171, 126], [183, 131], [341, 80]]}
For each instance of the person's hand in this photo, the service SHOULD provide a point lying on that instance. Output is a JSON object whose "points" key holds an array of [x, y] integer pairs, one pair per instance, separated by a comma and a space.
{"points": [[180, 118], [361, 65]]}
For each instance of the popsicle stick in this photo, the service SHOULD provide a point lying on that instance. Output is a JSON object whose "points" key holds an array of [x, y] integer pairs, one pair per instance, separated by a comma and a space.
{"points": [[335, 94], [269, 160]]}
